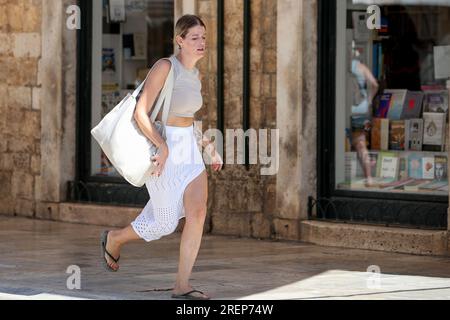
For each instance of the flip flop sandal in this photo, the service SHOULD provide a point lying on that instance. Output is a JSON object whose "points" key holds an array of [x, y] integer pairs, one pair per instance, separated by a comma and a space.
{"points": [[104, 239], [189, 296]]}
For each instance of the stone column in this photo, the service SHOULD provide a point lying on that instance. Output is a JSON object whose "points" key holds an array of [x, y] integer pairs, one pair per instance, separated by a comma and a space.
{"points": [[448, 172], [57, 77], [296, 113]]}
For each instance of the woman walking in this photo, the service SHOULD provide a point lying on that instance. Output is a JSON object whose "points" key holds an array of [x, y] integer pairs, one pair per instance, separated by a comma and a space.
{"points": [[178, 188]]}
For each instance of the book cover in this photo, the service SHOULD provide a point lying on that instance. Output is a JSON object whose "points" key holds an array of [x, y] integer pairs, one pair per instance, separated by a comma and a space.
{"points": [[383, 108], [108, 60], [388, 165], [415, 166], [403, 168], [433, 185], [352, 184], [373, 161], [360, 30], [440, 168], [434, 131], [413, 134], [351, 163], [380, 134], [140, 45], [436, 101], [415, 185], [397, 135], [428, 168], [375, 60], [412, 108], [381, 155], [396, 184], [447, 139], [397, 102]]}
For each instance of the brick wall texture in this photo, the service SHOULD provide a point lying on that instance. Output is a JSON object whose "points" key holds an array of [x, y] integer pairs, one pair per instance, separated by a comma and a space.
{"points": [[20, 132]]}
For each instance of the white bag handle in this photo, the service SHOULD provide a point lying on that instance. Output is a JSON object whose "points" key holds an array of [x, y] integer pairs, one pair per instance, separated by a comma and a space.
{"points": [[164, 96]]}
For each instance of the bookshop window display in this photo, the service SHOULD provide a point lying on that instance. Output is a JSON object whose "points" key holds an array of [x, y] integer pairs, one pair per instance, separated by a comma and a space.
{"points": [[128, 36], [392, 98]]}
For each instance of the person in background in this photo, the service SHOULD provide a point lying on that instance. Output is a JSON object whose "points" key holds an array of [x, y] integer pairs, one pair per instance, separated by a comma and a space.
{"points": [[364, 90]]}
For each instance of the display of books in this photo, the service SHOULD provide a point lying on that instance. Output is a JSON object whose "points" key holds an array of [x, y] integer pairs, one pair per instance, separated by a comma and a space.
{"points": [[407, 136], [418, 172]]}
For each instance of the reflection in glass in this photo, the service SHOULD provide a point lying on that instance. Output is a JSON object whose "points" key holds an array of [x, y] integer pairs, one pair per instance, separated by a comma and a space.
{"points": [[391, 99]]}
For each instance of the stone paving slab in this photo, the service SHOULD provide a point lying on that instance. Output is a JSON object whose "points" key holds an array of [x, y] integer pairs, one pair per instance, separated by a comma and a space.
{"points": [[35, 255]]}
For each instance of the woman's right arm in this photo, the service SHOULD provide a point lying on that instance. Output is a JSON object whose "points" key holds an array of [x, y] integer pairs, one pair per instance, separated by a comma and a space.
{"points": [[152, 87]]}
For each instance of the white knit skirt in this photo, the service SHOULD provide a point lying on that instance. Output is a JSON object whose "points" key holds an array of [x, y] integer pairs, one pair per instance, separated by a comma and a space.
{"points": [[162, 212]]}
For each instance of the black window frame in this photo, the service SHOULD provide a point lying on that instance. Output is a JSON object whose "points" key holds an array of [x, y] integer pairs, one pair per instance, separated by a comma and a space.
{"points": [[86, 187]]}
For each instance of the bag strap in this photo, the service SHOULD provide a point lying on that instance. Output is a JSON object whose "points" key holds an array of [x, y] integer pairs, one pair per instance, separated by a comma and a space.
{"points": [[164, 96], [138, 89]]}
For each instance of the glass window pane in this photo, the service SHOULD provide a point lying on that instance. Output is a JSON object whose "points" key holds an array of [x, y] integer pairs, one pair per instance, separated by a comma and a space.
{"points": [[129, 36], [392, 97]]}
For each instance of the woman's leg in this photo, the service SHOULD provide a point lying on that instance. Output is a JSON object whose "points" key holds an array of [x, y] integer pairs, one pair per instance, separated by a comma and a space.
{"points": [[116, 239], [195, 202]]}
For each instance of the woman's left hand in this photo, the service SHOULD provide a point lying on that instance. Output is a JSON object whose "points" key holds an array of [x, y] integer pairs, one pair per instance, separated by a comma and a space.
{"points": [[216, 162]]}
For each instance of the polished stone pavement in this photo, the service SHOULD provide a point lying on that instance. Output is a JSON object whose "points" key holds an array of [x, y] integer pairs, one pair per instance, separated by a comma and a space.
{"points": [[35, 255]]}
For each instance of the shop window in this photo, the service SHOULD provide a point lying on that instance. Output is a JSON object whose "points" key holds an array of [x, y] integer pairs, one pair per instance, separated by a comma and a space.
{"points": [[128, 37], [392, 100], [382, 113]]}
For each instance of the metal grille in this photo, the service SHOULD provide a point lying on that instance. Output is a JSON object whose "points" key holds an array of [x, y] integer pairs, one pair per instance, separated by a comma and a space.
{"points": [[409, 214], [107, 193]]}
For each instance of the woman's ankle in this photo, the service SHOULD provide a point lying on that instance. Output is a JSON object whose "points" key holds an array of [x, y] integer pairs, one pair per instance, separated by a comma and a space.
{"points": [[115, 238], [181, 287]]}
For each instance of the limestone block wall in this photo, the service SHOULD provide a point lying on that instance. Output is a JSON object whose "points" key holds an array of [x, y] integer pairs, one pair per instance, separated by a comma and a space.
{"points": [[37, 106], [241, 202], [20, 115]]}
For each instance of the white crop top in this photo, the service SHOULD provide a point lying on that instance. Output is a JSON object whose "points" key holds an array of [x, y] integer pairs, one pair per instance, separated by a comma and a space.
{"points": [[186, 95]]}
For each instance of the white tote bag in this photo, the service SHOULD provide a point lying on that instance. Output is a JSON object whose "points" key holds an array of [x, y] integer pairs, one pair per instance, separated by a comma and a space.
{"points": [[123, 142]]}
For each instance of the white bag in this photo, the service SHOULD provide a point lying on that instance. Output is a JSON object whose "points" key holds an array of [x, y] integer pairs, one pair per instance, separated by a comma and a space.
{"points": [[123, 142]]}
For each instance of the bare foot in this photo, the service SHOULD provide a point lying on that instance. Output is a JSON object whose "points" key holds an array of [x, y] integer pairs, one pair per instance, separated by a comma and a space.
{"points": [[114, 249], [369, 182]]}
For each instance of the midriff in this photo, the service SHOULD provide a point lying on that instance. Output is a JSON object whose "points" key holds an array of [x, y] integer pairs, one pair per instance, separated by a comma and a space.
{"points": [[175, 121]]}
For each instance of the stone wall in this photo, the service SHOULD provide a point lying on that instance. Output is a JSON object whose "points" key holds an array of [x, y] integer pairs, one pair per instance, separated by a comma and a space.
{"points": [[241, 202], [37, 90], [20, 115]]}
